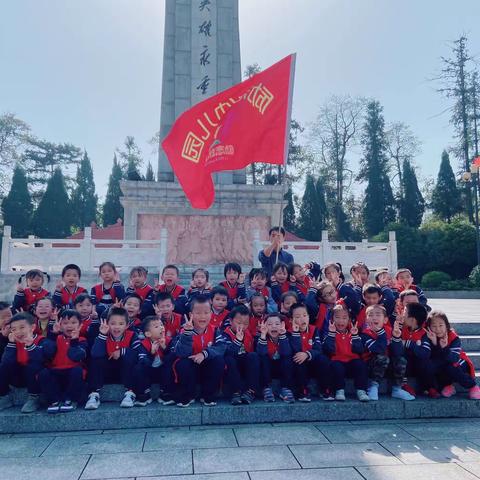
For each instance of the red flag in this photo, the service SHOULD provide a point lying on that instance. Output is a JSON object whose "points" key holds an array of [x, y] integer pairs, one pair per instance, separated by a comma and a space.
{"points": [[246, 123], [476, 161]]}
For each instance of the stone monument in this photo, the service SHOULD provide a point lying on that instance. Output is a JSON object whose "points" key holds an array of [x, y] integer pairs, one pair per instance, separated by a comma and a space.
{"points": [[201, 57]]}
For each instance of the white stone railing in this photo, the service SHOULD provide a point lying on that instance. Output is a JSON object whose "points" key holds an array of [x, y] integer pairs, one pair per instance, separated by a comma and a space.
{"points": [[50, 255], [375, 255]]}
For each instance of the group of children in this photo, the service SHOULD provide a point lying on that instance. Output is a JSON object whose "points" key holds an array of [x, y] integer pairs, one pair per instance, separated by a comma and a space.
{"points": [[303, 324]]}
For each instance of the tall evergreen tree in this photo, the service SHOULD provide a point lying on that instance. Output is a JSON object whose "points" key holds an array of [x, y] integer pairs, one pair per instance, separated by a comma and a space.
{"points": [[446, 197], [84, 199], [379, 203], [53, 217], [311, 220], [17, 205], [112, 209], [322, 210], [149, 175], [132, 171], [412, 205], [289, 221]]}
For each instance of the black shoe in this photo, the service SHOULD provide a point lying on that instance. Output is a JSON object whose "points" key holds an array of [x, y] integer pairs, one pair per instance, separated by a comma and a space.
{"points": [[68, 406], [54, 407], [236, 399], [248, 397]]}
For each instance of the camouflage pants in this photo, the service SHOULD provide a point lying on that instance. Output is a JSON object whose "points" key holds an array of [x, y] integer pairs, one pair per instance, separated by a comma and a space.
{"points": [[378, 366]]}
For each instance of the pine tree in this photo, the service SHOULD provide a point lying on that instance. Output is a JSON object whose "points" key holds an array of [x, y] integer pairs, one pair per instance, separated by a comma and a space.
{"points": [[412, 205], [149, 175], [446, 197], [112, 209], [289, 221], [379, 203], [84, 200], [322, 210], [132, 171], [311, 216], [53, 217], [17, 205]]}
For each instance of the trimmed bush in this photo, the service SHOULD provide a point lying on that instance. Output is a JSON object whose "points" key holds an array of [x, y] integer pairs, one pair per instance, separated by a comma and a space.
{"points": [[435, 279], [474, 276]]}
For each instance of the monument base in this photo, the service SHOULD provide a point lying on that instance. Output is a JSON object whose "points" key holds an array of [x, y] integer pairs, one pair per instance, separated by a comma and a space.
{"points": [[223, 233]]}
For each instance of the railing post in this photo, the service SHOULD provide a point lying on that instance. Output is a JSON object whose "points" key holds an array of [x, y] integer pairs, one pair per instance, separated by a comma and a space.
{"points": [[163, 249], [392, 247], [325, 248], [86, 251], [5, 259], [256, 246]]}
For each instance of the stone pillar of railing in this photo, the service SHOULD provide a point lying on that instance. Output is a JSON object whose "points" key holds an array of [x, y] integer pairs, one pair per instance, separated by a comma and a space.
{"points": [[392, 248], [325, 251], [163, 249], [86, 251], [256, 247], [5, 259]]}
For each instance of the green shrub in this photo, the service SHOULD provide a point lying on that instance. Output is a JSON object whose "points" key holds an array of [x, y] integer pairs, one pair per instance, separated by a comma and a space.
{"points": [[456, 285], [434, 279], [474, 276]]}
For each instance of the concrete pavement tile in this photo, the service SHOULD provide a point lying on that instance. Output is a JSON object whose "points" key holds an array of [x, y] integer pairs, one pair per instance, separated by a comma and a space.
{"points": [[23, 447], [310, 474], [286, 435], [233, 425], [138, 464], [364, 433], [444, 471], [57, 434], [207, 476], [94, 444], [212, 438], [473, 467], [147, 430], [443, 430], [242, 459], [345, 455]]}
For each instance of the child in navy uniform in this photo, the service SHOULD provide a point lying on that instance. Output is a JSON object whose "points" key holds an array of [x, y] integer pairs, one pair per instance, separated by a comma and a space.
{"points": [[26, 297], [138, 285], [321, 299], [109, 292], [308, 358], [282, 283], [5, 316], [241, 360], [172, 321], [258, 312], [275, 352], [198, 286], [234, 283], [63, 379], [67, 290], [199, 348], [21, 362], [219, 300], [114, 355], [451, 364], [170, 277], [154, 364], [404, 281], [258, 284], [45, 315], [132, 303], [333, 273], [344, 346]]}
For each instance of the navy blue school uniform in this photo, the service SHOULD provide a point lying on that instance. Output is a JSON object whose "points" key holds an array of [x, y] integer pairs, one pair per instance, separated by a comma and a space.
{"points": [[278, 290], [104, 369], [192, 294], [65, 297], [147, 294], [237, 293], [63, 378], [20, 366], [389, 300], [275, 360], [317, 365], [103, 298], [179, 297], [319, 313], [208, 373], [346, 292]]}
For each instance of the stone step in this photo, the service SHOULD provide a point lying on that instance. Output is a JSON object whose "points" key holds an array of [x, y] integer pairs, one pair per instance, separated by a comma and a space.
{"points": [[466, 328], [470, 343], [475, 358], [110, 417]]}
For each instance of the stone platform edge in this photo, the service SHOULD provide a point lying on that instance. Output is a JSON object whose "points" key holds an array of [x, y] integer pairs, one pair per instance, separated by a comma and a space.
{"points": [[110, 417]]}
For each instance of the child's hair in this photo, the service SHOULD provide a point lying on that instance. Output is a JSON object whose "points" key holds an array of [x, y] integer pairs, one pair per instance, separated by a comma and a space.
{"points": [[232, 266], [407, 293], [69, 313], [22, 316], [296, 306], [171, 266], [280, 266], [418, 312], [258, 295], [239, 310], [132, 295], [281, 316], [379, 273], [4, 306], [322, 286], [81, 298], [34, 273], [280, 230], [161, 296], [439, 314], [378, 306], [337, 266], [357, 265], [205, 271], [71, 266], [341, 307], [199, 300], [292, 267], [139, 270], [107, 264], [118, 312], [370, 288], [402, 270], [147, 321], [285, 295], [257, 272], [219, 291], [50, 299]]}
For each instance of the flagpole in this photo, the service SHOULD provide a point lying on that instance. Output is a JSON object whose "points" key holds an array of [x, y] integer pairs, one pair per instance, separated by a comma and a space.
{"points": [[287, 144]]}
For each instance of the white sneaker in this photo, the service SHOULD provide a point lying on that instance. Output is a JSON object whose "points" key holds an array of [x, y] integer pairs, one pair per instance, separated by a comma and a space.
{"points": [[362, 396], [93, 401], [340, 395], [372, 391], [128, 400]]}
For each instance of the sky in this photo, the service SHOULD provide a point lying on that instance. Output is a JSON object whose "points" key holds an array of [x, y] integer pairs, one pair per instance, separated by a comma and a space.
{"points": [[89, 72]]}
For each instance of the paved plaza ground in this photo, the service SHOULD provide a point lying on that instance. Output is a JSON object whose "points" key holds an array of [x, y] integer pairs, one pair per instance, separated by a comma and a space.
{"points": [[464, 310]]}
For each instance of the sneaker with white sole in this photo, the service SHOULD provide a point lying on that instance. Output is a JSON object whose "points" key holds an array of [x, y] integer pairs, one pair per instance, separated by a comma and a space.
{"points": [[6, 402], [31, 405], [401, 394], [128, 400], [93, 401], [208, 402], [185, 403], [372, 391], [362, 396], [143, 400], [340, 395], [68, 406], [54, 407]]}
